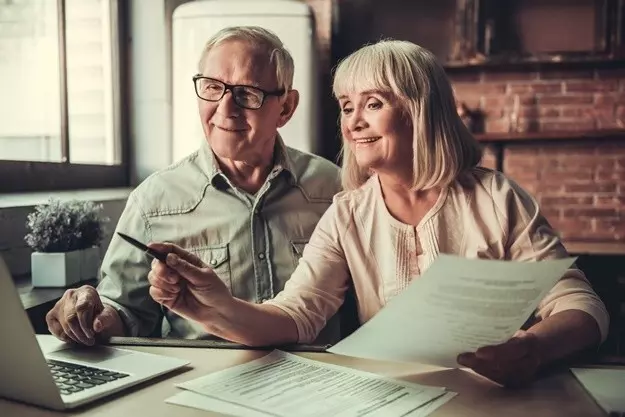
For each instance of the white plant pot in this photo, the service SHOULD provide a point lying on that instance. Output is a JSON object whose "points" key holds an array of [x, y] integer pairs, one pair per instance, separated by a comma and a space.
{"points": [[64, 269]]}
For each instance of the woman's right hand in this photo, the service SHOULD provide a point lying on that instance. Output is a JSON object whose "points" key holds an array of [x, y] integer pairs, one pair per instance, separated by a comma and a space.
{"points": [[186, 285]]}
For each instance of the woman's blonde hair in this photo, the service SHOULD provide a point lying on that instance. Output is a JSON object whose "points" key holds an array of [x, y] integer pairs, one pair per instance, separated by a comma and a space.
{"points": [[261, 38], [443, 148]]}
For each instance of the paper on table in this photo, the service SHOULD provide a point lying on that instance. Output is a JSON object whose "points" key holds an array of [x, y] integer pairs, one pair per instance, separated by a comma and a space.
{"points": [[282, 384], [457, 305], [607, 387], [194, 400]]}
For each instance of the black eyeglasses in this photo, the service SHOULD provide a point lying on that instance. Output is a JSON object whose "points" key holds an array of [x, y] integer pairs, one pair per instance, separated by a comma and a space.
{"points": [[244, 96]]}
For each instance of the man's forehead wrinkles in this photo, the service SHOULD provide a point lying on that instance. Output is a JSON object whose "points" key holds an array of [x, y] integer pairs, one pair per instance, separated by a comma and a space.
{"points": [[256, 77], [238, 63]]}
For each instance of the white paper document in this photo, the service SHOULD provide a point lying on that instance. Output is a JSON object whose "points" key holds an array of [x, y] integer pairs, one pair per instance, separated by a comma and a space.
{"points": [[286, 385], [457, 305], [194, 400], [607, 387]]}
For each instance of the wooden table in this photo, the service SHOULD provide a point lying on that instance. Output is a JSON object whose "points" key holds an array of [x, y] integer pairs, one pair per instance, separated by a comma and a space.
{"points": [[556, 395]]}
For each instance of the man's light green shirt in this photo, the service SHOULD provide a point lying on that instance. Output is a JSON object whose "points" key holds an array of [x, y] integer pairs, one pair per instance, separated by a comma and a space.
{"points": [[253, 242]]}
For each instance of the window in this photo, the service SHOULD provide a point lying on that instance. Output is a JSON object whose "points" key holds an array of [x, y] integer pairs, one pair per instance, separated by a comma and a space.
{"points": [[60, 119]]}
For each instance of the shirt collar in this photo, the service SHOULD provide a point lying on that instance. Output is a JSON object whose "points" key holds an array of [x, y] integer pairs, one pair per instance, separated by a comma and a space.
{"points": [[282, 161]]}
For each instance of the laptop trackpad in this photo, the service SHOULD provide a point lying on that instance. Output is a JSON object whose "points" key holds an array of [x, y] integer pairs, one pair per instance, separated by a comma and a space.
{"points": [[90, 354]]}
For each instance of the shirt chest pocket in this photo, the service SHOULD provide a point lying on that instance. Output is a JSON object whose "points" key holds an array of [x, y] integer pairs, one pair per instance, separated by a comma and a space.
{"points": [[297, 249], [217, 258]]}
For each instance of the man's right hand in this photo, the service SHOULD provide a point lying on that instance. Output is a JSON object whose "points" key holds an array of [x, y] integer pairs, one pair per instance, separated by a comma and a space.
{"points": [[80, 317], [186, 285]]}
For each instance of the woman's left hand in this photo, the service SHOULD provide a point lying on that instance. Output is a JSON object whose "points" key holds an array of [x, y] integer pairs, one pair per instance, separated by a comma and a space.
{"points": [[512, 364]]}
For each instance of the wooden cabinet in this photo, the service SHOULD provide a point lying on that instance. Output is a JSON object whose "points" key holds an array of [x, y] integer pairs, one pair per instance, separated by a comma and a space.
{"points": [[543, 31], [484, 32]]}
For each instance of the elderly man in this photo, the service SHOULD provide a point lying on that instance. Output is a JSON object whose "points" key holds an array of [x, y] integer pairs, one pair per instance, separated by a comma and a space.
{"points": [[244, 202]]}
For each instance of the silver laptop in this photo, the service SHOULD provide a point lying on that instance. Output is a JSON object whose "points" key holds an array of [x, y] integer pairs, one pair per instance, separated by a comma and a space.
{"points": [[65, 376]]}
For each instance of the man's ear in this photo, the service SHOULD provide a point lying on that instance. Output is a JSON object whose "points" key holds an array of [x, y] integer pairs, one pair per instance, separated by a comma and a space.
{"points": [[288, 107]]}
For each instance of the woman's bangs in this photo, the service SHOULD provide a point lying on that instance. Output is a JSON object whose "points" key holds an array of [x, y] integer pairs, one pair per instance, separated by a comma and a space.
{"points": [[363, 71]]}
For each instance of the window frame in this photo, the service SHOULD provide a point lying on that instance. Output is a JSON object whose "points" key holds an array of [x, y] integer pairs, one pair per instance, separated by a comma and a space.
{"points": [[28, 176]]}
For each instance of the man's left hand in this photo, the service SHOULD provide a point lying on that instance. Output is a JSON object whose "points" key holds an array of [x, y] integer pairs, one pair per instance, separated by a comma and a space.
{"points": [[512, 364]]}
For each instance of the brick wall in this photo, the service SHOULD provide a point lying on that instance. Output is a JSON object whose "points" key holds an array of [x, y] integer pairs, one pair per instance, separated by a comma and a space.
{"points": [[579, 184], [490, 159], [548, 100]]}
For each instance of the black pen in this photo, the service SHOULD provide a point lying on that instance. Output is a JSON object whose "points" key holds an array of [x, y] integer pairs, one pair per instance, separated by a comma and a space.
{"points": [[161, 256]]}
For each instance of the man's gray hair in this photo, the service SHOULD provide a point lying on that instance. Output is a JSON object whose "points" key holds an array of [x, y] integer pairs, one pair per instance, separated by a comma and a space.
{"points": [[261, 38]]}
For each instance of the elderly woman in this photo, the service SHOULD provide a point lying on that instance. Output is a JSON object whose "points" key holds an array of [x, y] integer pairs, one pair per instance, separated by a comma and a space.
{"points": [[412, 190]]}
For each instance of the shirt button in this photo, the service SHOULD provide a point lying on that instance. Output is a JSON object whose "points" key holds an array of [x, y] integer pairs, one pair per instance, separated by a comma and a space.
{"points": [[213, 262], [261, 256]]}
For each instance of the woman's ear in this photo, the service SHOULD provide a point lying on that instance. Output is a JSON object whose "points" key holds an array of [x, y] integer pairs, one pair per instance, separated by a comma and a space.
{"points": [[288, 107]]}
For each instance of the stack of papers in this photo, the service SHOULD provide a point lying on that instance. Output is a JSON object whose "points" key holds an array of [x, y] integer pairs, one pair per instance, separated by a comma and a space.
{"points": [[283, 384]]}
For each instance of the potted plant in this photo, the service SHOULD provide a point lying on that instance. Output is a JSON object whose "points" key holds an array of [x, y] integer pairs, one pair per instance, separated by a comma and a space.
{"points": [[65, 238]]}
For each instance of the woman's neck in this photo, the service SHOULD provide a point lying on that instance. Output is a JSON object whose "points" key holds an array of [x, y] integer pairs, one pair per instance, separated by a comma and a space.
{"points": [[404, 203]]}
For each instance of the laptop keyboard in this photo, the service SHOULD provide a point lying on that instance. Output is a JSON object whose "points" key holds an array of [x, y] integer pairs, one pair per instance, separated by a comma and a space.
{"points": [[72, 378]]}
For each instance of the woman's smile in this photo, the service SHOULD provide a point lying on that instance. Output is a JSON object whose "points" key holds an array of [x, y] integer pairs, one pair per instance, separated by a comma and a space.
{"points": [[365, 141]]}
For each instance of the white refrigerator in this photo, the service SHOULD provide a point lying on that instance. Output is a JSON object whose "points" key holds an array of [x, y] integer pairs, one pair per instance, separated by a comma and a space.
{"points": [[195, 22]]}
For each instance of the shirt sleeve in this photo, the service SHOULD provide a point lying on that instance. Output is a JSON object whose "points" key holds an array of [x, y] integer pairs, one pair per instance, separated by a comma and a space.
{"points": [[531, 238], [317, 287], [124, 284]]}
